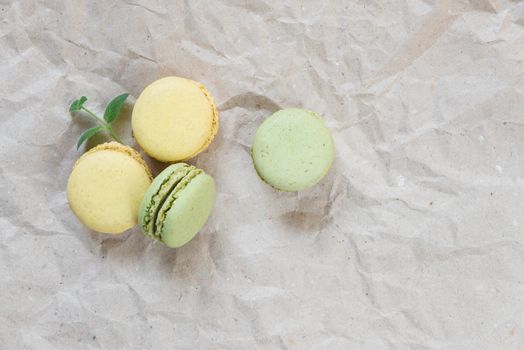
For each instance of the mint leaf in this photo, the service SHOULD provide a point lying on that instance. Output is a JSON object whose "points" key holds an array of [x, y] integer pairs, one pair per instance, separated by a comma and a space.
{"points": [[86, 135], [114, 107], [77, 104]]}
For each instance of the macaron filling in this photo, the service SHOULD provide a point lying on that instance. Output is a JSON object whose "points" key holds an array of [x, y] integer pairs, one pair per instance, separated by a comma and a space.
{"points": [[158, 199], [171, 197]]}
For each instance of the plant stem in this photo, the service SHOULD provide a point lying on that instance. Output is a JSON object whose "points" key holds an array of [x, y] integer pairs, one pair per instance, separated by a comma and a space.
{"points": [[104, 124], [93, 115], [113, 134]]}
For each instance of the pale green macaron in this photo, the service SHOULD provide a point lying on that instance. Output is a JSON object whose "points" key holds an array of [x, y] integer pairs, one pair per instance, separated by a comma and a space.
{"points": [[292, 149], [177, 204]]}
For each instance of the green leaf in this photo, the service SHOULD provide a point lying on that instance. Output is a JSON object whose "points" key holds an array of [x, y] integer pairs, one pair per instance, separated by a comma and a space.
{"points": [[114, 107], [86, 135], [77, 104]]}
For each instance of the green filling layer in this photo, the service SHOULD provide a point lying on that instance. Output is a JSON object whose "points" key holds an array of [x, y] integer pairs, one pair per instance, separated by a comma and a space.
{"points": [[158, 199], [173, 195]]}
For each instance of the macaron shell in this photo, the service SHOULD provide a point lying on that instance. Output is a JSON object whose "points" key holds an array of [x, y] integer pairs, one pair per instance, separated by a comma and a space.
{"points": [[105, 188], [157, 191], [292, 149], [118, 147], [174, 119], [189, 212]]}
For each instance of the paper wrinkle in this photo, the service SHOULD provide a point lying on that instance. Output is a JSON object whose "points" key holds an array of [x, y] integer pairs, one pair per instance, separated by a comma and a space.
{"points": [[414, 240]]}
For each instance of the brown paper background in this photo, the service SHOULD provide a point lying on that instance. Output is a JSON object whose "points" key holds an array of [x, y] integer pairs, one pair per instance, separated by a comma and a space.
{"points": [[413, 241]]}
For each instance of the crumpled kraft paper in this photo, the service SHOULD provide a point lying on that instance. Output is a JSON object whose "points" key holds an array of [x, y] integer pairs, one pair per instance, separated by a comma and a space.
{"points": [[415, 239]]}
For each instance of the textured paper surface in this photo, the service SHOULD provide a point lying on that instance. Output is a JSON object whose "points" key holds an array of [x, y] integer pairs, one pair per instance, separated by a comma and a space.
{"points": [[413, 241]]}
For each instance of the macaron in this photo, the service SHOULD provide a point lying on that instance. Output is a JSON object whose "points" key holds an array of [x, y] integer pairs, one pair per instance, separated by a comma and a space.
{"points": [[177, 204], [106, 186], [174, 119], [292, 149]]}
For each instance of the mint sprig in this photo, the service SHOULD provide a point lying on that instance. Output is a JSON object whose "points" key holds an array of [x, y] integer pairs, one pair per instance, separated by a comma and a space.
{"points": [[110, 115]]}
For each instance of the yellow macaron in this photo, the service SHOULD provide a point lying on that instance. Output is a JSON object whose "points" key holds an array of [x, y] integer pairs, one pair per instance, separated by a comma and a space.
{"points": [[174, 119], [106, 186]]}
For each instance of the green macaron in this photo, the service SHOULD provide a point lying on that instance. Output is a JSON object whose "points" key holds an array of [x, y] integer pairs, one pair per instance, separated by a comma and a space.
{"points": [[177, 204], [292, 149]]}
